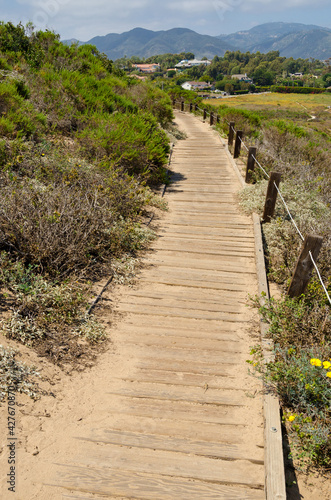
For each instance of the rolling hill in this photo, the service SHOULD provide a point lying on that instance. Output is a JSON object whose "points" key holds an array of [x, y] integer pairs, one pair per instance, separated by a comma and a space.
{"points": [[145, 43], [291, 39]]}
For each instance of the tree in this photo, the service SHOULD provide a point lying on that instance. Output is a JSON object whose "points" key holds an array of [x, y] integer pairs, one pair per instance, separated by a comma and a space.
{"points": [[262, 76]]}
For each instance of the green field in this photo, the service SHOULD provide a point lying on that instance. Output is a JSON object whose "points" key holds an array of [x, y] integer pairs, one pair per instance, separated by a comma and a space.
{"points": [[312, 102]]}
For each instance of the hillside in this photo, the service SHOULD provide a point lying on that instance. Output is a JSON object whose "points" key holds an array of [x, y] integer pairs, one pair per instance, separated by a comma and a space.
{"points": [[145, 43], [291, 39], [79, 144]]}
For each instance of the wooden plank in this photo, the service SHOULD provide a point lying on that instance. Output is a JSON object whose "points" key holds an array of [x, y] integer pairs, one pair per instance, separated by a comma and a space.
{"points": [[185, 379], [179, 393], [238, 244], [186, 366], [182, 343], [179, 248], [208, 327], [182, 419], [208, 449], [186, 305], [170, 353], [142, 486], [182, 313], [228, 262], [220, 276], [182, 296], [244, 473], [222, 334], [204, 282]]}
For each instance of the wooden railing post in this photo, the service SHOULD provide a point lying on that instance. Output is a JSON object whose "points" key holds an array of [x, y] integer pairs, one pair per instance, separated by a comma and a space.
{"points": [[304, 266], [211, 119], [204, 114], [250, 163], [182, 106], [271, 197], [191, 107], [217, 118], [196, 107], [231, 133], [237, 144]]}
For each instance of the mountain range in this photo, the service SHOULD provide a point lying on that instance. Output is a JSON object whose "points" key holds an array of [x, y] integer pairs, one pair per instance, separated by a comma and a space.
{"points": [[291, 39]]}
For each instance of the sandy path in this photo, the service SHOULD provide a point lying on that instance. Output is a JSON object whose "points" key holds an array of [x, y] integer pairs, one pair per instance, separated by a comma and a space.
{"points": [[170, 411]]}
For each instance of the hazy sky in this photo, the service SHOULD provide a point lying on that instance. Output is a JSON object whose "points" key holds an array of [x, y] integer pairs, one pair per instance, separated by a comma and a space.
{"points": [[84, 19]]}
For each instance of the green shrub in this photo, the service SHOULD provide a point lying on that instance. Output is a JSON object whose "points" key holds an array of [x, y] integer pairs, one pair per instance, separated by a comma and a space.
{"points": [[296, 90], [16, 376]]}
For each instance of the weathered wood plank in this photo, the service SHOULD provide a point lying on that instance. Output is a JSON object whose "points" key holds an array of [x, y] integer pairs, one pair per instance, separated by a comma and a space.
{"points": [[157, 391], [209, 449], [180, 465], [149, 486], [183, 419]]}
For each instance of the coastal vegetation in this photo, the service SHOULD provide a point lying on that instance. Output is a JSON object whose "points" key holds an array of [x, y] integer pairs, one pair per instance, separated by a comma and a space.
{"points": [[82, 149]]}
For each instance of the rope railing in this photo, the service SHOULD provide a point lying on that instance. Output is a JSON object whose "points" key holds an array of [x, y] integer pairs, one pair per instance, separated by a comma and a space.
{"points": [[273, 187], [289, 213], [259, 164], [320, 277], [243, 144]]}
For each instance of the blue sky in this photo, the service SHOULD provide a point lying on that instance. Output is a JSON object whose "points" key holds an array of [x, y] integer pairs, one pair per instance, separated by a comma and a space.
{"points": [[83, 19]]}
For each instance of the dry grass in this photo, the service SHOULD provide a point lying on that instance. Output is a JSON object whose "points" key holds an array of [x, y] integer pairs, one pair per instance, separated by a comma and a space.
{"points": [[275, 101]]}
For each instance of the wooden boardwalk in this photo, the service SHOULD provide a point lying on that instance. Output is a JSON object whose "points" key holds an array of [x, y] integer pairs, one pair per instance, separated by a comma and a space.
{"points": [[182, 419]]}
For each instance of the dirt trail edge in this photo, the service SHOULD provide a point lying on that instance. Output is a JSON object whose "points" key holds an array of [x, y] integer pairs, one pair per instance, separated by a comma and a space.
{"points": [[170, 410]]}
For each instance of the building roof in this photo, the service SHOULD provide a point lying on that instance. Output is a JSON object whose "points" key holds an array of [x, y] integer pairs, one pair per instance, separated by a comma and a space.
{"points": [[147, 68], [197, 85], [185, 63]]}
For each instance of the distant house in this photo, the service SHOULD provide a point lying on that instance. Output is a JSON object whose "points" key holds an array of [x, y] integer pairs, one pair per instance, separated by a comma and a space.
{"points": [[197, 86], [189, 63], [242, 78], [147, 68]]}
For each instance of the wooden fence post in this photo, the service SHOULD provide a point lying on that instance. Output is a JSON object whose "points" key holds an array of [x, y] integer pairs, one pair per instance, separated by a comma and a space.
{"points": [[174, 102], [304, 266], [211, 119], [237, 144], [231, 133], [182, 105], [196, 107], [217, 118], [250, 163], [204, 114], [191, 107], [271, 197]]}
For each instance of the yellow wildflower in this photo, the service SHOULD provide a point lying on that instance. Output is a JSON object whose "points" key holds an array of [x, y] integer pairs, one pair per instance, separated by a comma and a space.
{"points": [[291, 418], [316, 362], [326, 365], [328, 374]]}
